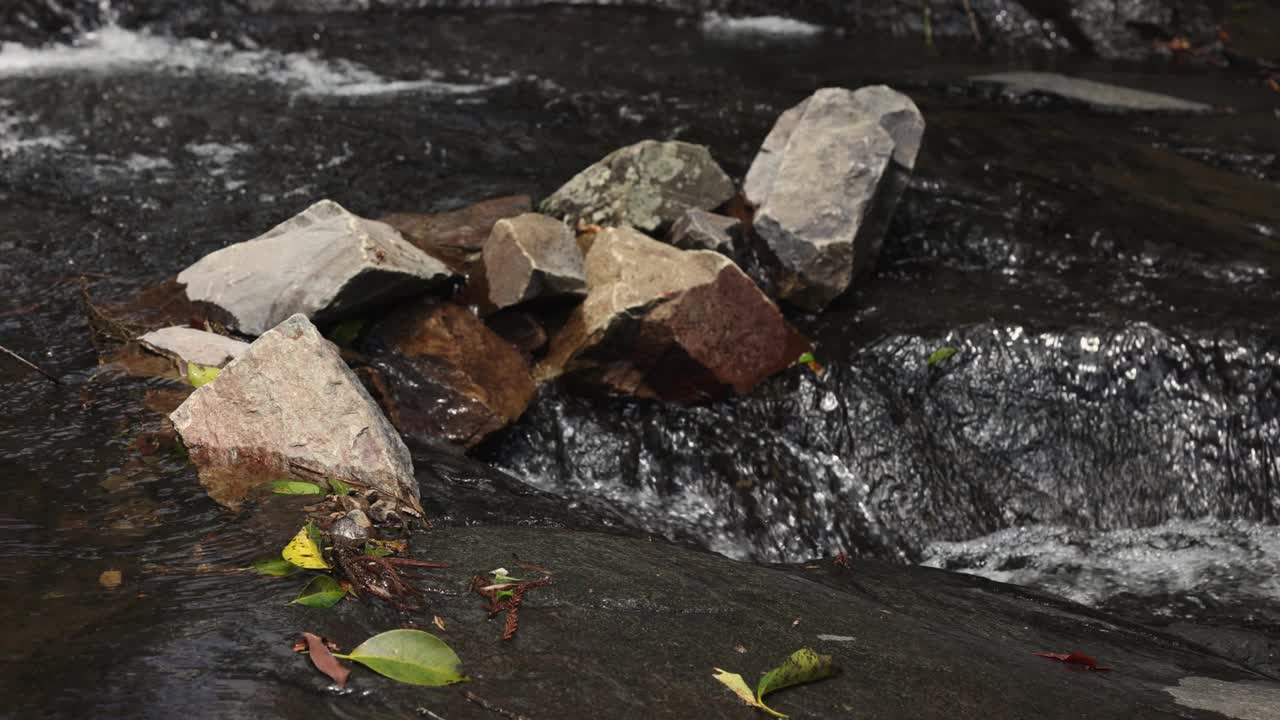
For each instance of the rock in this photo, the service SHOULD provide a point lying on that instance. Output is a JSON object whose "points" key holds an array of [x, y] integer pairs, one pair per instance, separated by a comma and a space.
{"points": [[447, 376], [290, 405], [532, 256], [325, 263], [348, 531], [188, 345], [521, 329], [1090, 92], [825, 184], [456, 237], [681, 325], [702, 230], [360, 519], [647, 185]]}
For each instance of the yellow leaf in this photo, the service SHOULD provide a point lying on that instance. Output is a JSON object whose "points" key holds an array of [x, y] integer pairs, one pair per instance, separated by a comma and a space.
{"points": [[199, 375], [304, 551], [734, 682]]}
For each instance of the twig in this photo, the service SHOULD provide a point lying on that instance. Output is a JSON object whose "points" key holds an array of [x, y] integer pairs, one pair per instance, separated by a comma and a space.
{"points": [[472, 697], [973, 22], [53, 378], [411, 562]]}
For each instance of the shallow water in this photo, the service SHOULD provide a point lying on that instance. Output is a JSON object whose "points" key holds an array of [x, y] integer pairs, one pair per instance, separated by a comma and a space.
{"points": [[1109, 432]]}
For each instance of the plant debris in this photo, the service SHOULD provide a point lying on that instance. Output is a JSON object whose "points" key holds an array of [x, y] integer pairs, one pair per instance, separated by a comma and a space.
{"points": [[201, 375], [111, 579], [52, 378], [295, 487], [409, 656], [324, 660], [472, 697], [274, 566], [941, 354], [1078, 659], [304, 549], [801, 666], [322, 592], [505, 594]]}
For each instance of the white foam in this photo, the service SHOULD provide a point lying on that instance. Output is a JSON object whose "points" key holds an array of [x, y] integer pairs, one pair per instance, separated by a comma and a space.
{"points": [[14, 140], [774, 25], [112, 48]]}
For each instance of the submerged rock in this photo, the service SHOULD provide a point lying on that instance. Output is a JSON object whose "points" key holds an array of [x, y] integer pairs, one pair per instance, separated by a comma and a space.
{"points": [[825, 184], [289, 405], [1088, 91], [681, 325], [702, 230], [647, 185], [325, 263], [456, 237], [532, 256], [445, 376], [188, 345]]}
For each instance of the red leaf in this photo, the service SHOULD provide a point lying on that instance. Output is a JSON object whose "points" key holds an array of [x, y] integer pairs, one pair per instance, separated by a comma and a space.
{"points": [[1075, 658], [324, 661]]}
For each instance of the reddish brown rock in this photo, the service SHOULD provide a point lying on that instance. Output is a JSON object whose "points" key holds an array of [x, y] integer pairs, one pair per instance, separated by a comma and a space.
{"points": [[686, 326], [444, 376], [457, 236]]}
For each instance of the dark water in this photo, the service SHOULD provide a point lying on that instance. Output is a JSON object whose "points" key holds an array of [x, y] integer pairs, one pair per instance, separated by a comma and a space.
{"points": [[1110, 429]]}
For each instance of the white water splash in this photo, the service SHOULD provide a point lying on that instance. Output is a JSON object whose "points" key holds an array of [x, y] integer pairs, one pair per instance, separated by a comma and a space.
{"points": [[769, 25], [14, 138], [112, 48]]}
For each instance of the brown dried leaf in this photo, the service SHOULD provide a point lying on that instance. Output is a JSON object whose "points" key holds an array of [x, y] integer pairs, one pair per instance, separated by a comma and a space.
{"points": [[324, 661]]}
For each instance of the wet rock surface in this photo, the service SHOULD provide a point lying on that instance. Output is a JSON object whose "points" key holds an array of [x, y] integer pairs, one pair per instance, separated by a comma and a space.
{"points": [[289, 405], [325, 263], [456, 237], [188, 345], [615, 604], [686, 326], [648, 186], [446, 376], [532, 256], [825, 184]]}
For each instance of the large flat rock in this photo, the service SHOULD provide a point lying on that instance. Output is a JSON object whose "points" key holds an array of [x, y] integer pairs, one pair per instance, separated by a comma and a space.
{"points": [[289, 405], [325, 263]]}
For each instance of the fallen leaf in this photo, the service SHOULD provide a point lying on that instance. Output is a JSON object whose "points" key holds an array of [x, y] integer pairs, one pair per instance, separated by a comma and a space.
{"points": [[795, 622], [734, 682], [322, 592], [276, 566], [1075, 658], [438, 622], [740, 649], [324, 660], [801, 666], [295, 487], [201, 375], [111, 579], [941, 354], [339, 487], [409, 656], [304, 549]]}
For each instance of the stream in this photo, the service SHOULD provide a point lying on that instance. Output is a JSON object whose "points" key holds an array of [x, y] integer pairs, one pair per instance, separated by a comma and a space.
{"points": [[1109, 430]]}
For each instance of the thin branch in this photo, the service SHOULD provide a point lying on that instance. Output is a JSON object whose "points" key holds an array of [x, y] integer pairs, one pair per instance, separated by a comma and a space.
{"points": [[973, 22], [52, 378]]}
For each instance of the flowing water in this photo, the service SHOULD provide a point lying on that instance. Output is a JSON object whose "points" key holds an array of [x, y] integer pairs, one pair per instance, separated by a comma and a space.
{"points": [[1109, 431]]}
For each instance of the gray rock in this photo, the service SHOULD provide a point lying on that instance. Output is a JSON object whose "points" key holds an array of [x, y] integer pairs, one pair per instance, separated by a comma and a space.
{"points": [[289, 404], [325, 263], [1090, 92], [825, 184], [359, 517], [702, 230], [188, 345], [530, 256], [646, 185], [348, 531]]}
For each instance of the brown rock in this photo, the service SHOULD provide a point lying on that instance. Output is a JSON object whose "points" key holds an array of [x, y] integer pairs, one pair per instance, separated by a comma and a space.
{"points": [[532, 256], [524, 331], [457, 236], [446, 376], [686, 326]]}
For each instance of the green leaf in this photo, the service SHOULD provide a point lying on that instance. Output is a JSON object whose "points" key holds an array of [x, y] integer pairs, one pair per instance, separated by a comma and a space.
{"points": [[941, 354], [339, 487], [200, 375], [805, 359], [803, 666], [295, 487], [304, 549], [410, 656], [376, 550], [322, 592], [276, 566], [740, 688], [346, 332]]}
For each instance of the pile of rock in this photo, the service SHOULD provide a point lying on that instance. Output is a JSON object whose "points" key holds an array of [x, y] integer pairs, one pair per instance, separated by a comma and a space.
{"points": [[624, 282]]}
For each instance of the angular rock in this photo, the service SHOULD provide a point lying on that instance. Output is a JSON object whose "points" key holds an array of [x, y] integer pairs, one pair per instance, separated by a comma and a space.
{"points": [[457, 236], [289, 405], [532, 256], [702, 230], [447, 377], [686, 326], [825, 185], [188, 345], [647, 185], [325, 263], [1090, 92]]}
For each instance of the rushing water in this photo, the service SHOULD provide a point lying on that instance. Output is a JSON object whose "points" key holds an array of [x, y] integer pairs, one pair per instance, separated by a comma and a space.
{"points": [[1108, 432]]}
